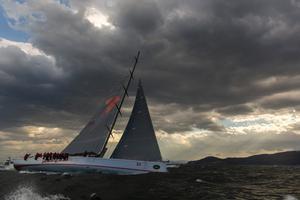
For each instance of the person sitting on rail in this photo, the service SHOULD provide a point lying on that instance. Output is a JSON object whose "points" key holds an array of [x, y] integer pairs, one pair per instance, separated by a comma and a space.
{"points": [[26, 156], [47, 156], [37, 155]]}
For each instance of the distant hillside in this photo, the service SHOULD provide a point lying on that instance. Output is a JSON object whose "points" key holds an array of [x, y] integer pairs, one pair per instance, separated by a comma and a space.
{"points": [[282, 158]]}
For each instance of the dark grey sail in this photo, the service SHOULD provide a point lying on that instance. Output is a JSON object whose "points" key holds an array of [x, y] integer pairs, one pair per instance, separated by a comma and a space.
{"points": [[138, 141], [93, 136]]}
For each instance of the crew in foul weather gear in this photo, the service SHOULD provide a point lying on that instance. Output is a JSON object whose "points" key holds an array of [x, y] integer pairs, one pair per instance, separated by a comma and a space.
{"points": [[37, 155], [26, 156]]}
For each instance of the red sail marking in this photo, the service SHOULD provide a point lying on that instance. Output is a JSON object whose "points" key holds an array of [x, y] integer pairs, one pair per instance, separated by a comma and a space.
{"points": [[111, 104]]}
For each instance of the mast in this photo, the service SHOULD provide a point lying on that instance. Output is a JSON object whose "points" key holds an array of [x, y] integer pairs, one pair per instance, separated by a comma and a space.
{"points": [[119, 106]]}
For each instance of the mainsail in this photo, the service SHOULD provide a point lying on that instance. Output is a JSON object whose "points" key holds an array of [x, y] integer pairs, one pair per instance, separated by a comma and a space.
{"points": [[138, 141], [93, 136]]}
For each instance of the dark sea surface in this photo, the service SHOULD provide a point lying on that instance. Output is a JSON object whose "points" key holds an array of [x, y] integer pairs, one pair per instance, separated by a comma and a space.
{"points": [[187, 182]]}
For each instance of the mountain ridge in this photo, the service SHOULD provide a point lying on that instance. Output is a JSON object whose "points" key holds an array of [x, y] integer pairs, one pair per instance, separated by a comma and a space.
{"points": [[280, 158]]}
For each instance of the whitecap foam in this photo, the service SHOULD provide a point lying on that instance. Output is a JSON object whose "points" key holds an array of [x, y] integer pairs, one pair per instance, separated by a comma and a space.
{"points": [[290, 197], [29, 193]]}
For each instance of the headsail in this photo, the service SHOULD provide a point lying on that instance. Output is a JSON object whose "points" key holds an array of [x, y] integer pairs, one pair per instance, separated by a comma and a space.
{"points": [[138, 141], [93, 136]]}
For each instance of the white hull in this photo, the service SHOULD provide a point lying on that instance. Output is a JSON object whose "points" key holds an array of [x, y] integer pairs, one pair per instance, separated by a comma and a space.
{"points": [[78, 164]]}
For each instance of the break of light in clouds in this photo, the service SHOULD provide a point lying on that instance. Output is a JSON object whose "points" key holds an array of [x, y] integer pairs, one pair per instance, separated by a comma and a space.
{"points": [[97, 18], [221, 77]]}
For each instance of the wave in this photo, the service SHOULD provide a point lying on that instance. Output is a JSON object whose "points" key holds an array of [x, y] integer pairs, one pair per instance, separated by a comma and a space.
{"points": [[29, 193], [290, 197]]}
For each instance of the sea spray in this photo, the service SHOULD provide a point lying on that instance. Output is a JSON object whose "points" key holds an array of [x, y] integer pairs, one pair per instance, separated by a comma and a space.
{"points": [[290, 197], [29, 193]]}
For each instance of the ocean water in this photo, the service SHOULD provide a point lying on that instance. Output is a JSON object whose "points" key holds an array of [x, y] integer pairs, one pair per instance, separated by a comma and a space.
{"points": [[30, 193], [187, 182]]}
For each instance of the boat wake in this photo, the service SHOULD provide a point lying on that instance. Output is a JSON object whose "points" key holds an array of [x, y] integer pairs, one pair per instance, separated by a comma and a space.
{"points": [[29, 193], [39, 172]]}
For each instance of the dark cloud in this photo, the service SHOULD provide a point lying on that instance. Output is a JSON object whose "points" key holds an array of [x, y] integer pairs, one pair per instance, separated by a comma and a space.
{"points": [[143, 17], [197, 56], [281, 103], [235, 110], [189, 57]]}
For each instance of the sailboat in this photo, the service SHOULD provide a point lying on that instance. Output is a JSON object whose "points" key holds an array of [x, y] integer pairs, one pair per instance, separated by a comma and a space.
{"points": [[137, 151]]}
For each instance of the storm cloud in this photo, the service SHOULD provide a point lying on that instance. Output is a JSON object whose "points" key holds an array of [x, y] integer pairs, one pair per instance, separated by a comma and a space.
{"points": [[214, 68]]}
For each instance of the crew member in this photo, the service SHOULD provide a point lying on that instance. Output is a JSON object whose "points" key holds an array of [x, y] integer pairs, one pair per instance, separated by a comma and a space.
{"points": [[26, 156]]}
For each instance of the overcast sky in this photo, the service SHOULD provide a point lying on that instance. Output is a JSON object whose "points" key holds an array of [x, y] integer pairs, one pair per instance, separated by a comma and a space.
{"points": [[222, 78]]}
